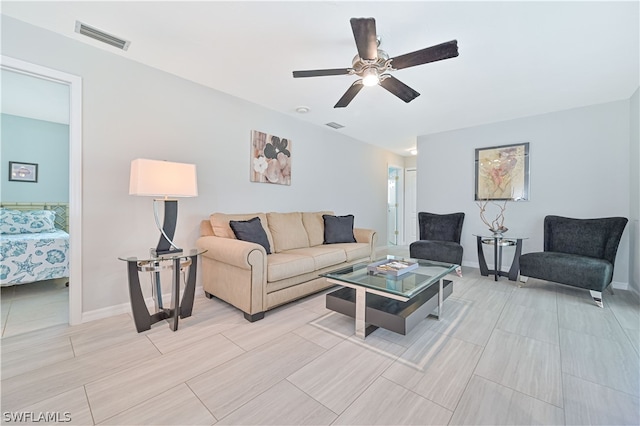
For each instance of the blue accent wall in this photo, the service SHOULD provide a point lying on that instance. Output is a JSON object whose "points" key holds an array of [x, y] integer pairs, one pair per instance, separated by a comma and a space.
{"points": [[35, 141]]}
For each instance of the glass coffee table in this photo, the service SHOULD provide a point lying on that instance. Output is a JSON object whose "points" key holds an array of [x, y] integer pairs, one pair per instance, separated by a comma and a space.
{"points": [[377, 299]]}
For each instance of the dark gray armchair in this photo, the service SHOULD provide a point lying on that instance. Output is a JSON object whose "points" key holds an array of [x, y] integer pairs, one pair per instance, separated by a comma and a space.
{"points": [[439, 238], [577, 252]]}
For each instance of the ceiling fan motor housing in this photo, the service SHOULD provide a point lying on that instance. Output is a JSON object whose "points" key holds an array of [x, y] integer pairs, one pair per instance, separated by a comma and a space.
{"points": [[373, 69], [381, 63]]}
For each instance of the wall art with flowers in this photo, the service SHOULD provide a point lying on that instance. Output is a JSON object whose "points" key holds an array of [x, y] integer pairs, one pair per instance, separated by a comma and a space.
{"points": [[270, 158]]}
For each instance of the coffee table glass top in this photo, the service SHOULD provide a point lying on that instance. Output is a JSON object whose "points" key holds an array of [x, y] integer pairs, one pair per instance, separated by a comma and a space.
{"points": [[406, 285]]}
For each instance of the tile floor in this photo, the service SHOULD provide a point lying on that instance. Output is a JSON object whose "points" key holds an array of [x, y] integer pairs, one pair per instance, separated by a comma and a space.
{"points": [[502, 354], [33, 306]]}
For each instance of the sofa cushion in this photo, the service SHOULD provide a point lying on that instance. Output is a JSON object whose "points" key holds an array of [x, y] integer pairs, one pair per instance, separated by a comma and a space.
{"points": [[285, 265], [314, 225], [322, 256], [287, 231], [250, 230], [338, 229], [221, 228], [354, 251]]}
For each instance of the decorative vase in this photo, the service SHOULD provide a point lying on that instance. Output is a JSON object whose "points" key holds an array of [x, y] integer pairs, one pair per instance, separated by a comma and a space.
{"points": [[499, 231]]}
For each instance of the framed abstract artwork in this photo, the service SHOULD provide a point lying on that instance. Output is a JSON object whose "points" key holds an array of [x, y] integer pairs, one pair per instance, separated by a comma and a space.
{"points": [[23, 172], [502, 172], [270, 158]]}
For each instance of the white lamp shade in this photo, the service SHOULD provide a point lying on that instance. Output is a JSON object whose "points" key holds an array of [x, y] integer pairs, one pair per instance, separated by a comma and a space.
{"points": [[162, 179]]}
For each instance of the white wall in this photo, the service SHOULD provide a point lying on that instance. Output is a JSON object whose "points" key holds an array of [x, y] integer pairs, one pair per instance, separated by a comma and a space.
{"points": [[39, 142], [579, 163], [132, 111], [634, 192], [410, 162]]}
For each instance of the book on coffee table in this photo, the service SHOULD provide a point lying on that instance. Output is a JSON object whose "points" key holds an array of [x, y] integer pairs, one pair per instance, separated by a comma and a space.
{"points": [[392, 267]]}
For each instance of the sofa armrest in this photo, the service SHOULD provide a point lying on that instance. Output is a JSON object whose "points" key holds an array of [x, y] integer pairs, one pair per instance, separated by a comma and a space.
{"points": [[235, 271], [369, 236], [233, 252], [364, 235]]}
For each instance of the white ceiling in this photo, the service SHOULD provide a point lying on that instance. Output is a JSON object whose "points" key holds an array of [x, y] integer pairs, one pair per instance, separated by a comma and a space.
{"points": [[516, 58]]}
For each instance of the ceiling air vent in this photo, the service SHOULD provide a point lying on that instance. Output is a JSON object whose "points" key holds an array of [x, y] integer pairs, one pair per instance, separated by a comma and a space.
{"points": [[96, 34], [335, 125]]}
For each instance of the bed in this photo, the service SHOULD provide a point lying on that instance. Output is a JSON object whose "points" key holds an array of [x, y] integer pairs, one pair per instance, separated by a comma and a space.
{"points": [[34, 242]]}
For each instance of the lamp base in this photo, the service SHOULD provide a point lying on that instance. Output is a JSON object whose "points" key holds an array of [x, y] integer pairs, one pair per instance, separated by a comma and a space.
{"points": [[165, 244], [155, 252]]}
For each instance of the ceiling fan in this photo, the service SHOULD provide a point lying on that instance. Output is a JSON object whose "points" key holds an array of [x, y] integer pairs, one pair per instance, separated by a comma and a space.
{"points": [[372, 64]]}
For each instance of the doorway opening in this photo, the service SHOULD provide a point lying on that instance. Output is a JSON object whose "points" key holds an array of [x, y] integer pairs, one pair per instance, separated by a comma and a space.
{"points": [[395, 205], [410, 206], [74, 84]]}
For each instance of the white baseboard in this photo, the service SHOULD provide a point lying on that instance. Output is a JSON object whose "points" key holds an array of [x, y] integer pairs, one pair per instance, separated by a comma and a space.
{"points": [[620, 285], [471, 264], [109, 311], [615, 284], [124, 308]]}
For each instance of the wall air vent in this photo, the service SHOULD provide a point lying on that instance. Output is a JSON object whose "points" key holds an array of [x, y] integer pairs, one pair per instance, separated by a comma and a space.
{"points": [[99, 35], [335, 125]]}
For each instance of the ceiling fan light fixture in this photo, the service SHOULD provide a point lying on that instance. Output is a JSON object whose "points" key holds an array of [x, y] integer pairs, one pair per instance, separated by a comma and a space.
{"points": [[373, 64], [370, 77]]}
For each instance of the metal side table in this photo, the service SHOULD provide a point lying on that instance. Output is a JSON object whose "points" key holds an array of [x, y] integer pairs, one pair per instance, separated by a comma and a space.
{"points": [[177, 263], [498, 242]]}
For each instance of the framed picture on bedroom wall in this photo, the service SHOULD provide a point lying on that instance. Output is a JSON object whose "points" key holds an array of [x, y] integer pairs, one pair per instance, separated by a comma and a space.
{"points": [[502, 172], [23, 172]]}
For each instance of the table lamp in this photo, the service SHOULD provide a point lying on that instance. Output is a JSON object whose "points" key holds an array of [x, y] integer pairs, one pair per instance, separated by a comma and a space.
{"points": [[164, 179]]}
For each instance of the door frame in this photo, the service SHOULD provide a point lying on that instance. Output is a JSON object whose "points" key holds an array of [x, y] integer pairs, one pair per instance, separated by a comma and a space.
{"points": [[75, 171], [407, 213], [400, 238]]}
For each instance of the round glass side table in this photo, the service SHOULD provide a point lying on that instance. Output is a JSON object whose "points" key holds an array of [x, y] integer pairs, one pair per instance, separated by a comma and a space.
{"points": [[154, 264], [499, 241]]}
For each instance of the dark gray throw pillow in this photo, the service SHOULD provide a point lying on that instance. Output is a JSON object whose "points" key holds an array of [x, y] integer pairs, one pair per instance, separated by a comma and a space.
{"points": [[338, 229], [252, 231]]}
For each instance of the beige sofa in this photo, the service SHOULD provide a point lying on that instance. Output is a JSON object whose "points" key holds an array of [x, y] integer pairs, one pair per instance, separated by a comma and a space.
{"points": [[242, 274]]}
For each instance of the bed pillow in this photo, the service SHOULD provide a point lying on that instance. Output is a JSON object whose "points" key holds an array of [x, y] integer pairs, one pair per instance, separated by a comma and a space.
{"points": [[338, 229], [252, 231], [29, 222]]}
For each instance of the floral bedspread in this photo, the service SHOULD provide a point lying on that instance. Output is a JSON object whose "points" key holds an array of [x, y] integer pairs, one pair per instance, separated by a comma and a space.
{"points": [[25, 258]]}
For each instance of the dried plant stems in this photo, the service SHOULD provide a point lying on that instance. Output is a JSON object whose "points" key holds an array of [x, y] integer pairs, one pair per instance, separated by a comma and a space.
{"points": [[498, 222]]}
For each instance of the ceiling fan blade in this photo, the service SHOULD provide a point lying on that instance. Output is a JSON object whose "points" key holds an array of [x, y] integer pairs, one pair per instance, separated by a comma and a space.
{"points": [[364, 31], [399, 89], [430, 54], [321, 73], [349, 94]]}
